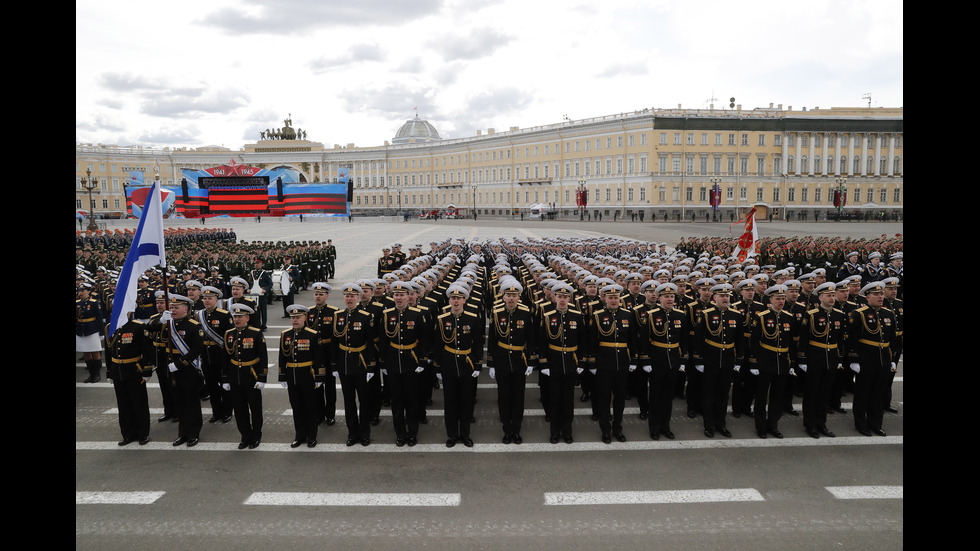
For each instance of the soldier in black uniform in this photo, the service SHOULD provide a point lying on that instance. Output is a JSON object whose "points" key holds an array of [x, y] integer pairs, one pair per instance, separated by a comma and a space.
{"points": [[720, 335], [820, 353], [403, 345], [129, 365], [214, 322], [353, 361], [894, 302], [89, 327], [693, 310], [511, 356], [331, 258], [613, 355], [185, 343], [457, 352], [246, 372], [870, 335], [301, 372], [320, 319], [663, 342], [774, 334]]}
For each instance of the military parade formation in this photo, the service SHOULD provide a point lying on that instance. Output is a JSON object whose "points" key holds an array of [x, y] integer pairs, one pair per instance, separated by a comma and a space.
{"points": [[693, 328]]}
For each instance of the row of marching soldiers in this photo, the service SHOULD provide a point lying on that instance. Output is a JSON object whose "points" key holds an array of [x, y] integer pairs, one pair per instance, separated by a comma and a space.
{"points": [[433, 319]]}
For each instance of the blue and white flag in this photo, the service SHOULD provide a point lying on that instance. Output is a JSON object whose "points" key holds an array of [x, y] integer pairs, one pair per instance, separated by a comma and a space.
{"points": [[146, 252]]}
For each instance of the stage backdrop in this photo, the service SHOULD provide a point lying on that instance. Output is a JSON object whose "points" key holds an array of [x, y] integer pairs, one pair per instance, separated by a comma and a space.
{"points": [[243, 190]]}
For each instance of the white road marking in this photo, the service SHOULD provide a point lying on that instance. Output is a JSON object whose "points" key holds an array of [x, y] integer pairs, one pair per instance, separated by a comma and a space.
{"points": [[353, 499], [117, 498], [867, 492], [657, 497]]}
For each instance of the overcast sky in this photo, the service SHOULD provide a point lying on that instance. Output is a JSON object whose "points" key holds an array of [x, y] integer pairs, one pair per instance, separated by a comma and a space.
{"points": [[217, 72]]}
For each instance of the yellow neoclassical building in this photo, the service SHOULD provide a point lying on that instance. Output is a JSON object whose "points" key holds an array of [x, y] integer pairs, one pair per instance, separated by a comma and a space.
{"points": [[655, 163]]}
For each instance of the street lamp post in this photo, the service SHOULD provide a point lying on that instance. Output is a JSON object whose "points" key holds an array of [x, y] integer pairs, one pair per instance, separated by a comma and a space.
{"points": [[473, 187], [90, 184], [581, 199]]}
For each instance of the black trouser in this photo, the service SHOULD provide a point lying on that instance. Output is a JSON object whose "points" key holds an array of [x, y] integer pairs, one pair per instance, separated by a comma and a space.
{"points": [[134, 408], [246, 401], [561, 396], [458, 394], [715, 384], [638, 383], [355, 389], [167, 392], [510, 399], [768, 400], [220, 404], [693, 391], [377, 393], [816, 395], [610, 385], [662, 381], [404, 388], [189, 403], [871, 386], [327, 398], [303, 399]]}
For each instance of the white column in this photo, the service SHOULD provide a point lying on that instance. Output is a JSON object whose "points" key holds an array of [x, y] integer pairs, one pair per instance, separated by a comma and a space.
{"points": [[810, 160], [836, 171], [891, 155], [785, 167], [864, 154], [799, 149], [824, 156], [850, 155]]}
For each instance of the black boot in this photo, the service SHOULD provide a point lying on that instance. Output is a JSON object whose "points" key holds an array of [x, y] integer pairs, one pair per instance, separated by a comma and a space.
{"points": [[94, 369]]}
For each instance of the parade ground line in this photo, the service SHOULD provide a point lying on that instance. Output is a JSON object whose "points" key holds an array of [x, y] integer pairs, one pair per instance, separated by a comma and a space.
{"points": [[352, 500], [526, 447], [867, 492], [658, 497], [117, 498]]}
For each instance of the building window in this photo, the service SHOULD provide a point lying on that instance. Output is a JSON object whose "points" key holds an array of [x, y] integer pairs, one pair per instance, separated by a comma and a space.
{"points": [[608, 194], [760, 165], [718, 138], [758, 194], [804, 195], [689, 196], [731, 139], [703, 194], [777, 140], [897, 198], [690, 138], [704, 138], [790, 165], [816, 195], [663, 138], [804, 165], [775, 195], [677, 138], [791, 195], [643, 194], [884, 195], [896, 166], [762, 139], [745, 139]]}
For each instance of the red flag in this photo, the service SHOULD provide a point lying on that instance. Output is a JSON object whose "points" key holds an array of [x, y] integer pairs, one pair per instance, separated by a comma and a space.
{"points": [[749, 241]]}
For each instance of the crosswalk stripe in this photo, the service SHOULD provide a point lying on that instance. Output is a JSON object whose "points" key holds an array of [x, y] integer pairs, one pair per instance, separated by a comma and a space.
{"points": [[643, 498], [352, 499], [117, 498], [867, 492]]}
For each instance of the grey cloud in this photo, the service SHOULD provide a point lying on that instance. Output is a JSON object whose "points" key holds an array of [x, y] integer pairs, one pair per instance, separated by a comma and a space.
{"points": [[355, 54], [169, 136], [190, 102], [622, 70], [292, 16], [473, 45]]}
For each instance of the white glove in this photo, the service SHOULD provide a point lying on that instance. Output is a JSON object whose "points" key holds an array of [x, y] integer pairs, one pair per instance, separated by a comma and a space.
{"points": [[856, 367], [226, 386], [592, 371], [369, 375], [493, 374], [792, 372], [648, 369], [802, 367], [419, 369], [439, 376], [335, 374], [737, 368], [632, 368], [165, 316], [317, 385], [146, 379], [476, 374], [546, 371], [384, 372], [754, 371], [579, 370], [699, 367], [528, 371], [894, 367], [284, 384], [259, 385], [171, 367]]}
